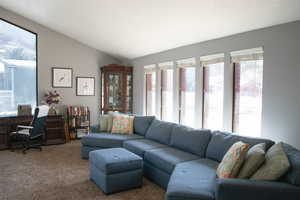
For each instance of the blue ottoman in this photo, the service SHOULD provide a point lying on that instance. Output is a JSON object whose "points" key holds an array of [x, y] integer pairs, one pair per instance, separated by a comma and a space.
{"points": [[116, 169]]}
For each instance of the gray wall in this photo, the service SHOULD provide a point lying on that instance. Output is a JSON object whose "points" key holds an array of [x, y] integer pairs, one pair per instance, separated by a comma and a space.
{"points": [[281, 83], [57, 50]]}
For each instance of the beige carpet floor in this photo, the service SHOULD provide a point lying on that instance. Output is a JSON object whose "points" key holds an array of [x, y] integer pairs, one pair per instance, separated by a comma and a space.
{"points": [[58, 173]]}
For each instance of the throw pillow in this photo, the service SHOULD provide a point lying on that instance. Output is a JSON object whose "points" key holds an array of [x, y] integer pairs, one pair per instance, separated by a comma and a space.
{"points": [[110, 120], [103, 122], [293, 174], [122, 124], [233, 160], [275, 166], [254, 159]]}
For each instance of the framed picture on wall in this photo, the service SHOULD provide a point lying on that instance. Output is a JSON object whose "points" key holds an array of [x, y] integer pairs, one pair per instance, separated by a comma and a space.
{"points": [[62, 77], [85, 86]]}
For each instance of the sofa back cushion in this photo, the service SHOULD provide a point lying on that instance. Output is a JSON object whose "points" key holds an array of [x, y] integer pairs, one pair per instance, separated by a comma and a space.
{"points": [[190, 140], [142, 123], [160, 131], [293, 174], [221, 142]]}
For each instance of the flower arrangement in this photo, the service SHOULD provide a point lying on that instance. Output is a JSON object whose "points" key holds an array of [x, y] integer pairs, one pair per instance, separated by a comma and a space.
{"points": [[52, 97]]}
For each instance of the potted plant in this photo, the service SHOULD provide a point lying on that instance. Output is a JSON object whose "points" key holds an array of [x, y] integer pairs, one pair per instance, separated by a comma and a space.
{"points": [[52, 98]]}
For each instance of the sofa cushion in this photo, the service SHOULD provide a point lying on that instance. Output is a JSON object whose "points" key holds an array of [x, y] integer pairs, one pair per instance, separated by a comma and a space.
{"points": [[221, 141], [107, 140], [166, 158], [142, 123], [193, 180], [293, 154], [139, 147], [190, 140], [275, 166], [255, 158], [160, 131], [233, 160]]}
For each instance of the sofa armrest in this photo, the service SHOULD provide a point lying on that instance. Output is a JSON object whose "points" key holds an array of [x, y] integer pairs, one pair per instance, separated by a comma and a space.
{"points": [[237, 189]]}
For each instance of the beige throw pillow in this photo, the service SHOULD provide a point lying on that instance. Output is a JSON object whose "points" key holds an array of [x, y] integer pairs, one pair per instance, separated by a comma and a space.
{"points": [[233, 160], [275, 166], [122, 124], [254, 159], [103, 122]]}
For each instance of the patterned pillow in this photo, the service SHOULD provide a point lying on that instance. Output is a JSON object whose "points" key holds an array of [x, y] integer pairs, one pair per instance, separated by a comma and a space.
{"points": [[276, 165], [255, 158], [233, 160], [122, 124]]}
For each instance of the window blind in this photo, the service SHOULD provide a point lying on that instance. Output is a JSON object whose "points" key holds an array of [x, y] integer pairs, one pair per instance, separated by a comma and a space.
{"points": [[246, 55], [211, 59], [149, 68], [189, 62], [166, 65]]}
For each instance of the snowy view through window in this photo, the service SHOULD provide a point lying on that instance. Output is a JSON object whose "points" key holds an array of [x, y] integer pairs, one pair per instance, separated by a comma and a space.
{"points": [[17, 68]]}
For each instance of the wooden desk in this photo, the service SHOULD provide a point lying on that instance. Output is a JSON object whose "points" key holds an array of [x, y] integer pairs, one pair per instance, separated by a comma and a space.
{"points": [[55, 132]]}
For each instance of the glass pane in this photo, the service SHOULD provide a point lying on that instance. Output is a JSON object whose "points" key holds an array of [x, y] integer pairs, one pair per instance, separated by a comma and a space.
{"points": [[114, 90], [128, 103], [213, 96], [150, 93], [17, 68], [167, 94], [248, 97], [187, 96]]}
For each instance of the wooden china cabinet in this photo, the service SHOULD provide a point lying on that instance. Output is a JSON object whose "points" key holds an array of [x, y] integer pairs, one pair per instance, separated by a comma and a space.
{"points": [[116, 88]]}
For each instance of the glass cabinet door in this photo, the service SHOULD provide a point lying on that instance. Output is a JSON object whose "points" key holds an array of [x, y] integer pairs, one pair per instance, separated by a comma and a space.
{"points": [[128, 95], [114, 90]]}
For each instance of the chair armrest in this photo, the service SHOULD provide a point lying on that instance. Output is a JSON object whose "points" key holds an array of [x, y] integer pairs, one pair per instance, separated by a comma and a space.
{"points": [[24, 127], [237, 189]]}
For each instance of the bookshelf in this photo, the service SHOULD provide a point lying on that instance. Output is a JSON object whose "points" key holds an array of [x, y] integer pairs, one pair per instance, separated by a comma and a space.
{"points": [[78, 121]]}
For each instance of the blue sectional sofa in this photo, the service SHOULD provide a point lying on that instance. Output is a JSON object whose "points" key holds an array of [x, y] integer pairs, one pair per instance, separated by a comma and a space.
{"points": [[184, 160]]}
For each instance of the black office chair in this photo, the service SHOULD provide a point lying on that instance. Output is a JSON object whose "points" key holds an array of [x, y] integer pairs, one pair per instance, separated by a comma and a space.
{"points": [[31, 136]]}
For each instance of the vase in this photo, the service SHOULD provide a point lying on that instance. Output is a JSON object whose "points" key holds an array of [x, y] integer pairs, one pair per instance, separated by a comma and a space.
{"points": [[52, 111]]}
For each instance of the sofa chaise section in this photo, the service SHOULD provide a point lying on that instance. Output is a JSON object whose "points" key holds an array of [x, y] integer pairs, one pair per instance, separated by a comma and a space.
{"points": [[193, 180], [95, 141]]}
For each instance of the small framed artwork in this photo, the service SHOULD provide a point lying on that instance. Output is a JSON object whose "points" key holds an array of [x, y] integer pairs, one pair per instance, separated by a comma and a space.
{"points": [[62, 77], [85, 86]]}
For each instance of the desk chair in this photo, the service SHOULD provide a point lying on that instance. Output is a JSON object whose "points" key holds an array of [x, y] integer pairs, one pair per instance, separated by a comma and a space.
{"points": [[31, 136]]}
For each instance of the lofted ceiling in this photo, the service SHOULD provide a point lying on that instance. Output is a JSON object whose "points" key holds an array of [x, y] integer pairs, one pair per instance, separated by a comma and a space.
{"points": [[135, 28]]}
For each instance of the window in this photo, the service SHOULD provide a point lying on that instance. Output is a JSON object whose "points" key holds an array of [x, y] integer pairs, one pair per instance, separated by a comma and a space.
{"points": [[166, 70], [150, 82], [248, 77], [187, 76], [17, 68], [213, 91]]}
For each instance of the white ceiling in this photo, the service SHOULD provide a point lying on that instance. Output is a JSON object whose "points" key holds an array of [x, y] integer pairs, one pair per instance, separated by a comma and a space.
{"points": [[134, 28]]}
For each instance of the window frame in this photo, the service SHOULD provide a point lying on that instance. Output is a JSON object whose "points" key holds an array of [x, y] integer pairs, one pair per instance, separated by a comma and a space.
{"points": [[181, 65], [149, 69], [205, 61], [236, 64], [163, 67], [36, 59]]}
